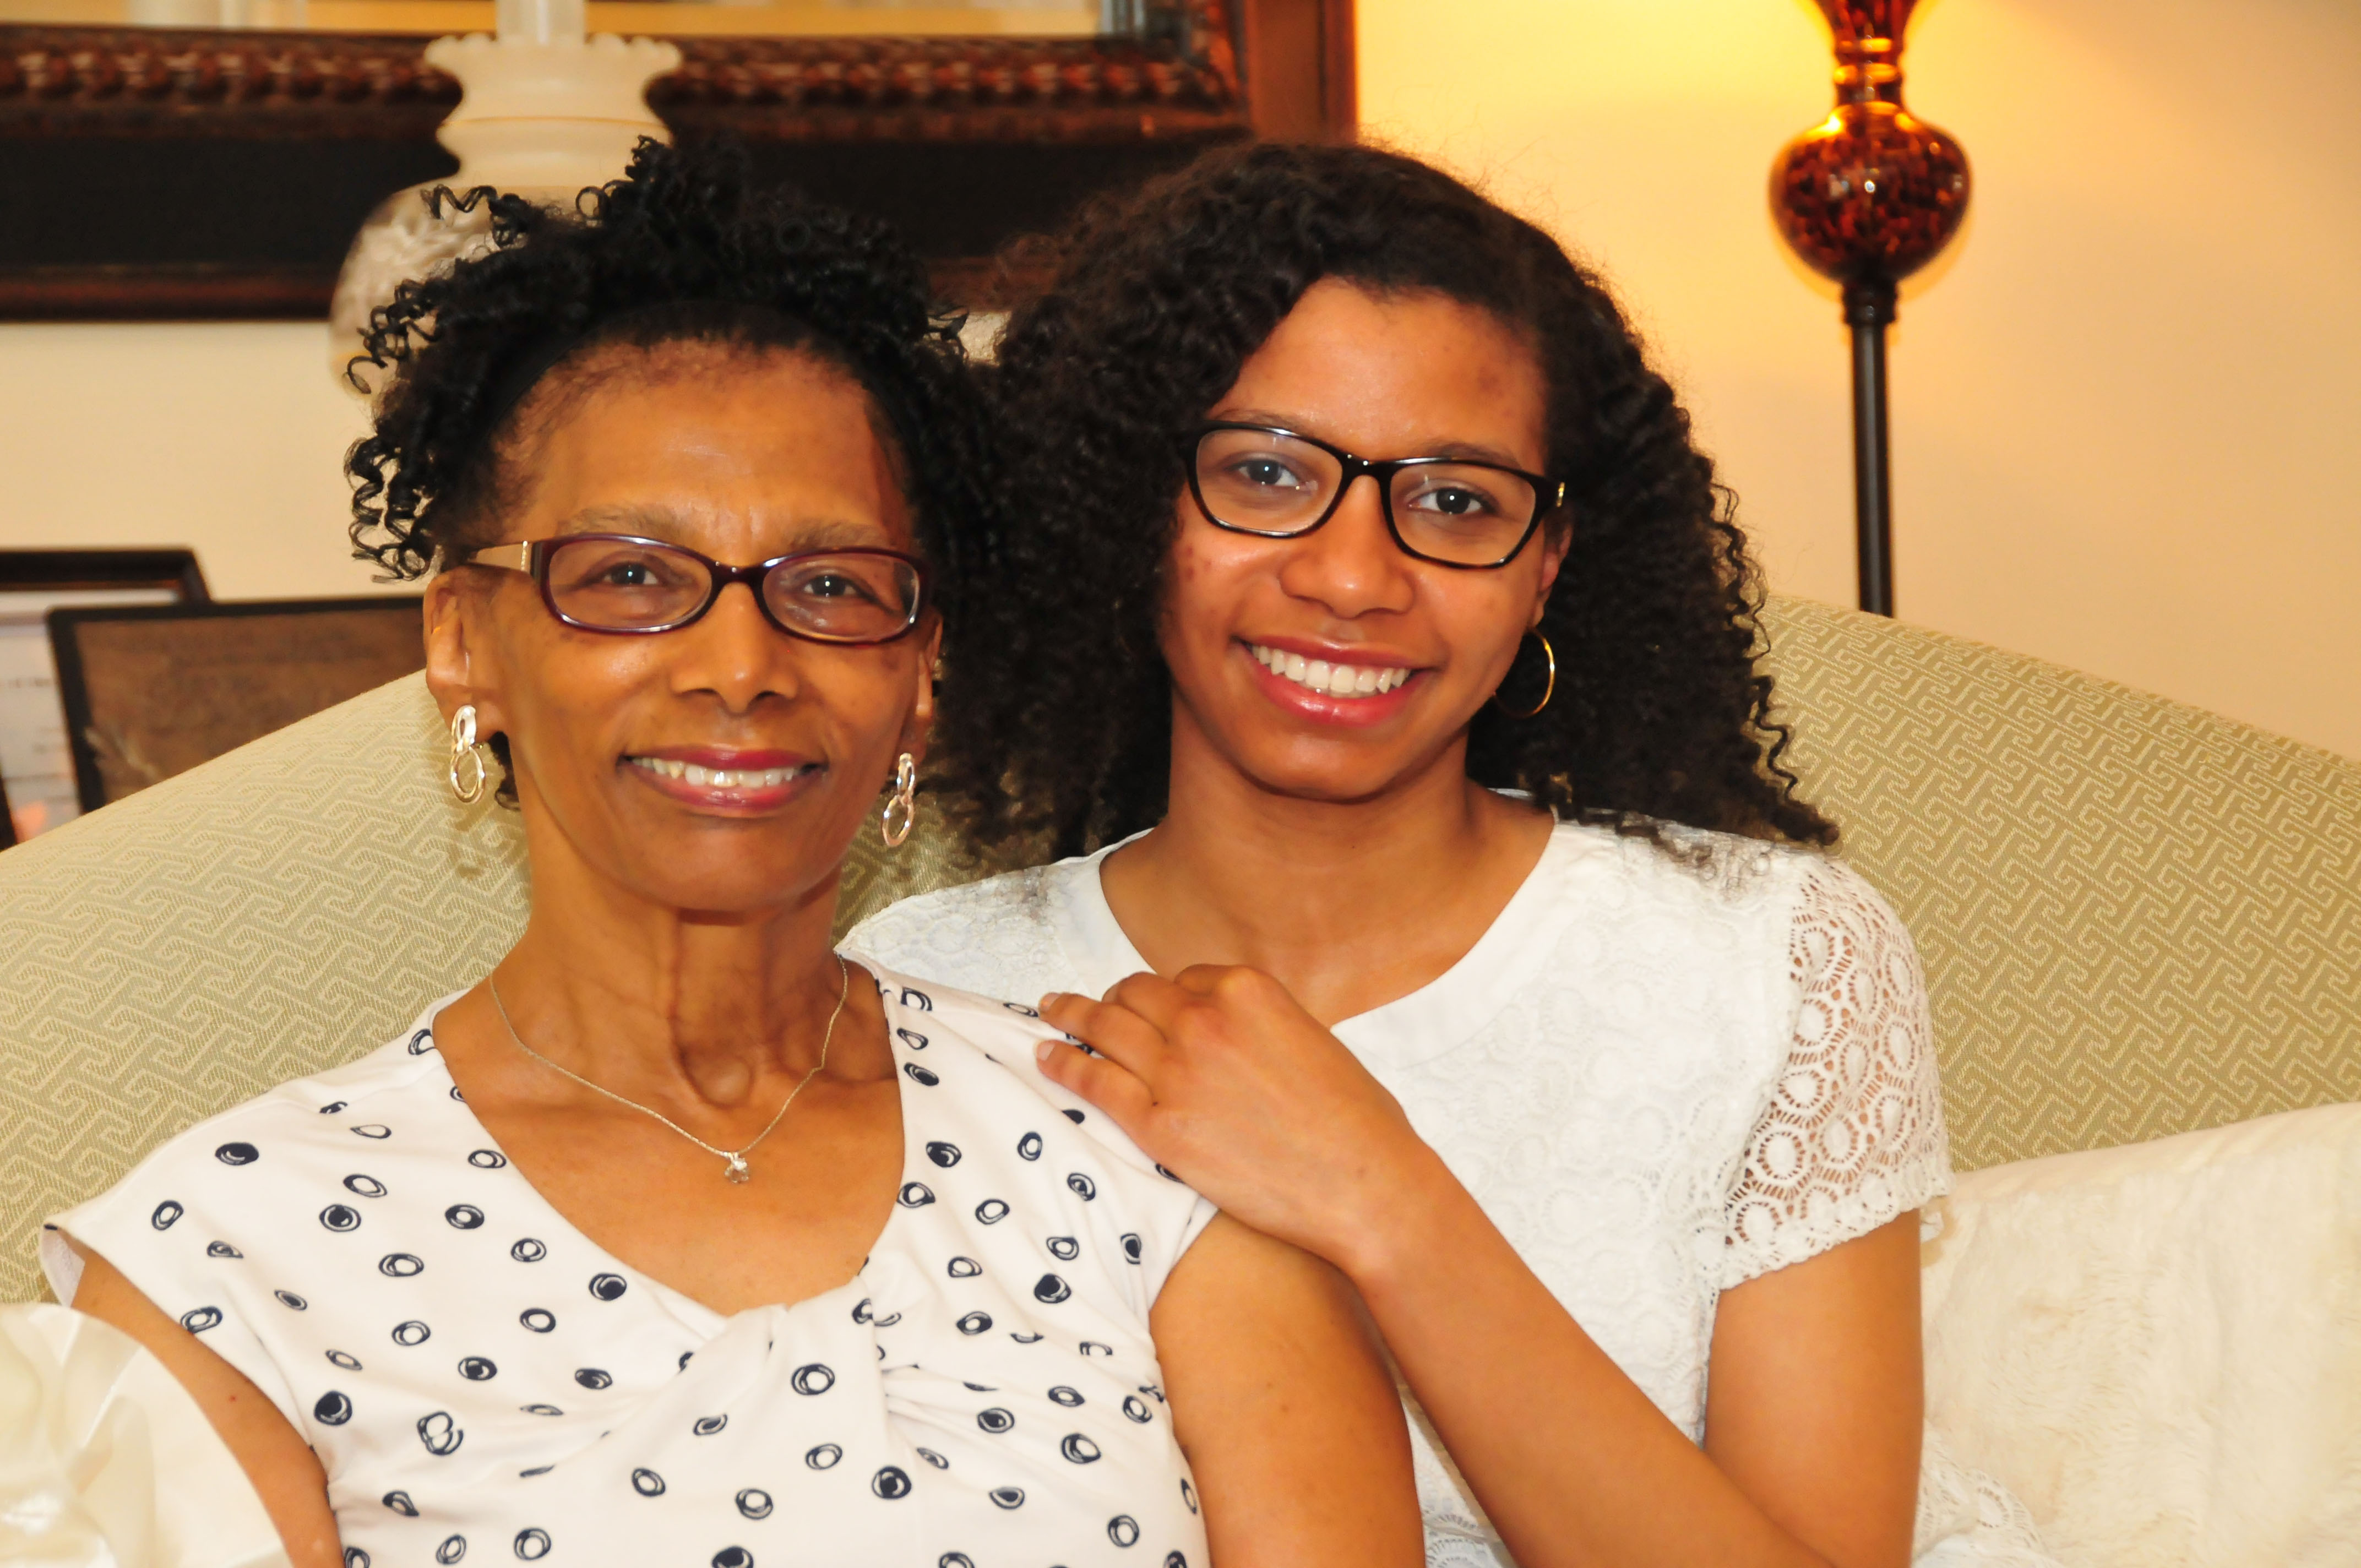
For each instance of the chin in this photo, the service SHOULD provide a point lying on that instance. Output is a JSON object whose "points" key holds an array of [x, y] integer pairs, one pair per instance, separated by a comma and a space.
{"points": [[734, 885], [1330, 773]]}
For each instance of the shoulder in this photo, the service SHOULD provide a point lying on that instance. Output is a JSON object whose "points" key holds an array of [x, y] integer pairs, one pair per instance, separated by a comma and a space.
{"points": [[981, 1109], [990, 1045], [1682, 878], [1839, 919], [297, 1122], [994, 934]]}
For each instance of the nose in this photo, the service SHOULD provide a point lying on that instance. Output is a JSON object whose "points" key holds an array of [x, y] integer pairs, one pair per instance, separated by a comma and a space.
{"points": [[735, 652], [1350, 565]]}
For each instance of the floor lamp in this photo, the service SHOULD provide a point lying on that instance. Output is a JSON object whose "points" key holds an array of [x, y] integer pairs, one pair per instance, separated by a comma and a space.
{"points": [[1867, 197]]}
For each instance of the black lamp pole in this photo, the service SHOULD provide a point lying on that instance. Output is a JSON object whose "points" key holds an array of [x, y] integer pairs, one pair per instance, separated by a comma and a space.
{"points": [[1869, 311]]}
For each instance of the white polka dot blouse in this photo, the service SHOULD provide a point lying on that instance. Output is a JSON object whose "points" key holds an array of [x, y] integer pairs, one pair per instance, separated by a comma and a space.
{"points": [[480, 1379]]}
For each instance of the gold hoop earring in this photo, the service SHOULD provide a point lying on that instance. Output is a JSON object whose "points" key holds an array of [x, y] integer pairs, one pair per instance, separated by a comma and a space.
{"points": [[901, 813], [1548, 691], [465, 749]]}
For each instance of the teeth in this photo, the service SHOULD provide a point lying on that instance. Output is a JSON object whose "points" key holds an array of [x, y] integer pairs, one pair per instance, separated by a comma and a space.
{"points": [[1331, 680], [717, 778]]}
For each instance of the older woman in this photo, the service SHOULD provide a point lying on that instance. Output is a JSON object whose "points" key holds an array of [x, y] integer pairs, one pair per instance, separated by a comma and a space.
{"points": [[680, 1239]]}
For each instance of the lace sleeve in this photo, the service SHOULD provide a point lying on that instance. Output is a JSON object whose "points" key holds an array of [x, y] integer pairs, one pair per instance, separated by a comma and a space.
{"points": [[1853, 1133]]}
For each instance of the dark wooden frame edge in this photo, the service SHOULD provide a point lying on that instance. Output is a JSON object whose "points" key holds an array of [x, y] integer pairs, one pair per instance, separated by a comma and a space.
{"points": [[73, 685], [132, 567], [1277, 68]]}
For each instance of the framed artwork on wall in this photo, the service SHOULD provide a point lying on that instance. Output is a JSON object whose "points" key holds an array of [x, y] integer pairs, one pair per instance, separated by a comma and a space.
{"points": [[164, 168], [37, 769], [153, 691]]}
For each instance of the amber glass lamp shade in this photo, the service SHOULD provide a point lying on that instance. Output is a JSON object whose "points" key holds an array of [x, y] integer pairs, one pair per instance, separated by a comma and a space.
{"points": [[1872, 191]]}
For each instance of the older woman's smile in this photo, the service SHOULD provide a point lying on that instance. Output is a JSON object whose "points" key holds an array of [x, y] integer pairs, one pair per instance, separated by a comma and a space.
{"points": [[720, 778]]}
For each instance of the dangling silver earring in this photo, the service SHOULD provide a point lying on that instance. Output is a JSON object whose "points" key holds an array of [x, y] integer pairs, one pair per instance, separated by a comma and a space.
{"points": [[1548, 691], [465, 749], [901, 813]]}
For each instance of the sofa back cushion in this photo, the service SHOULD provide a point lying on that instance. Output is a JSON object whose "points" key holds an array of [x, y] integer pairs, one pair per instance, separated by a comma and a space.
{"points": [[2137, 917]]}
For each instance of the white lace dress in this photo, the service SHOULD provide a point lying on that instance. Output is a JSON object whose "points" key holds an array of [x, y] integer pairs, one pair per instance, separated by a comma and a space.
{"points": [[1659, 1079], [479, 1378]]}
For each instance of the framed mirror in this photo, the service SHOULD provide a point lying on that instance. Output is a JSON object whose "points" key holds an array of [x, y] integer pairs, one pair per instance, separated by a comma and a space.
{"points": [[213, 159]]}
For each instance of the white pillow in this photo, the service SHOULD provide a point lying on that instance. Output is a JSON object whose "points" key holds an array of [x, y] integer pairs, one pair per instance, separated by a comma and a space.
{"points": [[2157, 1348], [106, 1462]]}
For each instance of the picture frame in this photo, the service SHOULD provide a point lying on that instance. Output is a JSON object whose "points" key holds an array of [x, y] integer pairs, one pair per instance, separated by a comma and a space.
{"points": [[149, 692], [36, 758], [222, 174]]}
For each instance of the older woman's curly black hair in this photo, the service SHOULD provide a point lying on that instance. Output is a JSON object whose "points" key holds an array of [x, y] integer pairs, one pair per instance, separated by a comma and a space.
{"points": [[683, 249], [1660, 713]]}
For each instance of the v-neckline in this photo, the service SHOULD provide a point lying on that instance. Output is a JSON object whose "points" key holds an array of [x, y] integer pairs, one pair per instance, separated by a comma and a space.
{"points": [[1416, 1026], [693, 1314]]}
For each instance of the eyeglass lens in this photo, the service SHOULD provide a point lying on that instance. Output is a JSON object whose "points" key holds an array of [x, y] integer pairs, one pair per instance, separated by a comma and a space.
{"points": [[1265, 482], [635, 586]]}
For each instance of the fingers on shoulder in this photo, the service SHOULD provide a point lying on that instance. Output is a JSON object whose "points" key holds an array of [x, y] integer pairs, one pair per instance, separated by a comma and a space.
{"points": [[1101, 1079]]}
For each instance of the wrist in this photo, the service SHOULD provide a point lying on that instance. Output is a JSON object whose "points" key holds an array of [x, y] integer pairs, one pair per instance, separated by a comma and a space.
{"points": [[1412, 1200]]}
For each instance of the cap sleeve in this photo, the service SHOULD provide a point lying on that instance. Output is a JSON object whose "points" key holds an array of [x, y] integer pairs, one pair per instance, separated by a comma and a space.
{"points": [[178, 1227], [1852, 1135]]}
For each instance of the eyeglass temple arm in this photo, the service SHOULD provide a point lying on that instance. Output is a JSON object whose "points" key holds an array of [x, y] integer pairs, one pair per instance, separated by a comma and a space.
{"points": [[516, 557]]}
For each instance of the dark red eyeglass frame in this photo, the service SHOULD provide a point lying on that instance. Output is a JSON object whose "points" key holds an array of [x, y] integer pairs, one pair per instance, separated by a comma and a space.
{"points": [[532, 556]]}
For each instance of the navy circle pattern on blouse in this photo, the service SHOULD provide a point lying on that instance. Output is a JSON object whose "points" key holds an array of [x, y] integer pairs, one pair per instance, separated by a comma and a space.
{"points": [[974, 1395]]}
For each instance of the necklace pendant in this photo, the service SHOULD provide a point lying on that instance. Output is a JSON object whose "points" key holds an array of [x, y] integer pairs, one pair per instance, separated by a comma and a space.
{"points": [[737, 1170]]}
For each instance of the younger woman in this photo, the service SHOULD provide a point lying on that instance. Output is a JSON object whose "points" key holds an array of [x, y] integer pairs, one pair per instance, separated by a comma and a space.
{"points": [[1370, 604]]}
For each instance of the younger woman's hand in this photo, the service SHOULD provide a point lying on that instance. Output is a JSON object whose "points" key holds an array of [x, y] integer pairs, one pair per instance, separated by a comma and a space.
{"points": [[1225, 1080]]}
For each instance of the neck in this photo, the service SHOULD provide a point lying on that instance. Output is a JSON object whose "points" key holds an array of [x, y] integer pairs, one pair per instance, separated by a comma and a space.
{"points": [[637, 997], [1347, 903]]}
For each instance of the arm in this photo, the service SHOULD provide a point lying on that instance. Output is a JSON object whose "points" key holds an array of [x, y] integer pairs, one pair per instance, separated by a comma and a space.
{"points": [[1282, 1402], [284, 1470], [1220, 1076]]}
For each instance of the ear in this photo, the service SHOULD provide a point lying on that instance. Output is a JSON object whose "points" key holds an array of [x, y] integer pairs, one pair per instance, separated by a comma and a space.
{"points": [[460, 663], [1557, 537], [922, 709]]}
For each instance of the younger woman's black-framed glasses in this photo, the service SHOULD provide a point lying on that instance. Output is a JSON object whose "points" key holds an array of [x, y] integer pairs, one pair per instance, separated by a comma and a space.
{"points": [[1278, 484], [624, 584]]}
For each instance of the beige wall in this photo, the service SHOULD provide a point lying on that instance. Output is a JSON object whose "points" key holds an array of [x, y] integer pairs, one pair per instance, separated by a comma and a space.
{"points": [[225, 437], [2127, 408], [2124, 409]]}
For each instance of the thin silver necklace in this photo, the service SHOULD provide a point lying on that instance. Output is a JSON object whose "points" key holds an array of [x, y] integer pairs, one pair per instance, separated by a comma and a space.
{"points": [[736, 1169]]}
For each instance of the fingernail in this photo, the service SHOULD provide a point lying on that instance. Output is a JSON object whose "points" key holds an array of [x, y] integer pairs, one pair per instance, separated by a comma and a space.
{"points": [[1052, 998], [1041, 1052]]}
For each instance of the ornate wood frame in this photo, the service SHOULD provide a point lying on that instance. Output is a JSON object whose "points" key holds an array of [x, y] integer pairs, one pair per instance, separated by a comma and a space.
{"points": [[139, 108]]}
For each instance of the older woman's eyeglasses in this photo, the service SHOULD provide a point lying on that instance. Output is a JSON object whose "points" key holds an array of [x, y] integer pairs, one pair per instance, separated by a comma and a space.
{"points": [[1252, 478], [621, 583]]}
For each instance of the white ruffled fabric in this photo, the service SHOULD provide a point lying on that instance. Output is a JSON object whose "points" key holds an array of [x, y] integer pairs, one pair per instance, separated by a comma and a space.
{"points": [[106, 1462]]}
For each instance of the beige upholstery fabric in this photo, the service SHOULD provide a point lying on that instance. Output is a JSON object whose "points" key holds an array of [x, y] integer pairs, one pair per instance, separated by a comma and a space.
{"points": [[2138, 919]]}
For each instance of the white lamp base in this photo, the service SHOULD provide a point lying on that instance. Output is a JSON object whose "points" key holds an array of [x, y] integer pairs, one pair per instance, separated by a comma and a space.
{"points": [[542, 120]]}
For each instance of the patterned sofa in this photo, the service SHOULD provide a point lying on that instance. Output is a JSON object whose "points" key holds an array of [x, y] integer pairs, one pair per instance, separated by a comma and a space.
{"points": [[2139, 920]]}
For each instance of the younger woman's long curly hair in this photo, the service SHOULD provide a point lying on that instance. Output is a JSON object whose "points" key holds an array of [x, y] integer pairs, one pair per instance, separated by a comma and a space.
{"points": [[1661, 713]]}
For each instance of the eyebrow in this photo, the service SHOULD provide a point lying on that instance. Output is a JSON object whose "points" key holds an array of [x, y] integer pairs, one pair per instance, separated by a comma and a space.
{"points": [[1461, 451], [673, 527]]}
